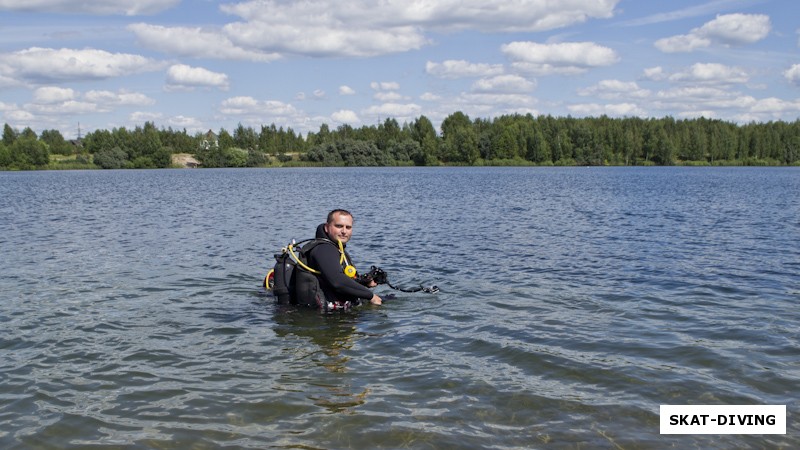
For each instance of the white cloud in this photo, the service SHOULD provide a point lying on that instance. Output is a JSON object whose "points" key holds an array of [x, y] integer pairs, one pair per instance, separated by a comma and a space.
{"points": [[184, 77], [49, 101], [737, 29], [119, 98], [346, 90], [190, 124], [345, 116], [483, 15], [66, 107], [388, 96], [196, 43], [453, 69], [142, 116], [402, 112], [654, 73], [44, 65], [481, 104], [385, 85], [52, 94], [728, 29], [7, 81], [711, 73], [613, 110], [708, 114], [503, 84], [100, 7], [561, 58], [259, 112], [19, 116], [430, 97], [769, 109], [614, 89], [319, 28], [502, 101], [693, 98], [682, 43], [793, 74], [359, 28], [240, 105], [775, 106]]}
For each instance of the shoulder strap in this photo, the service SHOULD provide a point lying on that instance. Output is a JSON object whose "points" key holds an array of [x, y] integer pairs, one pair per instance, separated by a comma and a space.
{"points": [[313, 243], [300, 257]]}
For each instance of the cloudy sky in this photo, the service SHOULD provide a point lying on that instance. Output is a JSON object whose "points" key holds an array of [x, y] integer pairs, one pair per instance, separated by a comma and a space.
{"points": [[200, 65]]}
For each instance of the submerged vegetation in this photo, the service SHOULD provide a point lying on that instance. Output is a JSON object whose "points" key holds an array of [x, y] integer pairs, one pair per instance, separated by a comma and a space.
{"points": [[505, 140]]}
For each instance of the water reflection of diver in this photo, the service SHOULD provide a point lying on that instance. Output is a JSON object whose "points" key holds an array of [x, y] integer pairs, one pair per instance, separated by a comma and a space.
{"points": [[326, 342], [331, 335]]}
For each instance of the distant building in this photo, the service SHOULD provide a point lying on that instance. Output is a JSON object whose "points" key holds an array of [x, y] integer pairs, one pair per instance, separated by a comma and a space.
{"points": [[210, 140]]}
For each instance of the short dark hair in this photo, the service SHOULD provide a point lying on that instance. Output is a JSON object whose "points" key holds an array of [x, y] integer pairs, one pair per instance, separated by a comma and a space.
{"points": [[338, 211]]}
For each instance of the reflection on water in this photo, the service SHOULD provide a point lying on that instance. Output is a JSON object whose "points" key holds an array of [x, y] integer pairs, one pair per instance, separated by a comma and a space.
{"points": [[326, 339], [573, 303]]}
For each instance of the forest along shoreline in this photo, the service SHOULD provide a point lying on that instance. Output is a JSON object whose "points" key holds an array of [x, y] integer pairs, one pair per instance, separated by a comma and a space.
{"points": [[511, 140]]}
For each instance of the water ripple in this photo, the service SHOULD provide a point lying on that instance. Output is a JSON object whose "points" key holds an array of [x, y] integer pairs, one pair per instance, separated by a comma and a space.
{"points": [[573, 303]]}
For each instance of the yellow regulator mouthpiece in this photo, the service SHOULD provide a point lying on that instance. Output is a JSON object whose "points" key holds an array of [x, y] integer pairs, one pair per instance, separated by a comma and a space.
{"points": [[350, 271]]}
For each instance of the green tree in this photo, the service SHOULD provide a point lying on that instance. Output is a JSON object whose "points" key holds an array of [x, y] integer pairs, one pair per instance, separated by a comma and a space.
{"points": [[423, 132], [28, 133], [459, 139], [225, 139], [349, 152], [696, 146], [562, 150], [538, 149], [256, 158], [268, 139], [111, 158], [5, 155], [98, 140], [245, 138], [235, 157], [388, 132], [29, 152], [56, 142], [9, 135], [405, 151], [792, 150], [505, 144], [177, 141]]}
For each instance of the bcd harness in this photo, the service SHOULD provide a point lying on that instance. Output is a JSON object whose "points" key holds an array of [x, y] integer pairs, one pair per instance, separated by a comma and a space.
{"points": [[289, 277]]}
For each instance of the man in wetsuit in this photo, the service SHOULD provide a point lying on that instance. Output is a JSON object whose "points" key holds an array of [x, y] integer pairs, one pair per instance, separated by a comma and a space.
{"points": [[340, 291]]}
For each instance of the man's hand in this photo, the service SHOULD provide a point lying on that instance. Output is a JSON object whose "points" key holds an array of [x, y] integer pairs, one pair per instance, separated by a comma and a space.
{"points": [[375, 300]]}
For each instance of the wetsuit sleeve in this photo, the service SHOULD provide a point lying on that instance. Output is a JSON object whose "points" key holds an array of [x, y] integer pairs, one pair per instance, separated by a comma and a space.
{"points": [[326, 258]]}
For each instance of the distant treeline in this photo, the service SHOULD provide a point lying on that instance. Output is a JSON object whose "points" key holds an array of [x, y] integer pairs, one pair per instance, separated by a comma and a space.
{"points": [[505, 140]]}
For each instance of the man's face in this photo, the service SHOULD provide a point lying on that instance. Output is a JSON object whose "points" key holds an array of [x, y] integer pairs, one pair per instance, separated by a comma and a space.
{"points": [[340, 228]]}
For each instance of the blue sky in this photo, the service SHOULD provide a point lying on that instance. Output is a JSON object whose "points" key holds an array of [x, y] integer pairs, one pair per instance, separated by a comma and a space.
{"points": [[203, 65]]}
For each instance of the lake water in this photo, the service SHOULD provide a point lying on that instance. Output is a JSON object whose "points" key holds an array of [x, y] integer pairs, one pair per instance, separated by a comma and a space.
{"points": [[573, 302]]}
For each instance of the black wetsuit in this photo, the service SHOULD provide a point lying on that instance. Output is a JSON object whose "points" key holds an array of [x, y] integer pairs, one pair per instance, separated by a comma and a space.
{"points": [[337, 287]]}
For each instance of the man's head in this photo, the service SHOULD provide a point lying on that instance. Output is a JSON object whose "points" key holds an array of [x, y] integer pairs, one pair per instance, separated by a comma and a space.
{"points": [[339, 225]]}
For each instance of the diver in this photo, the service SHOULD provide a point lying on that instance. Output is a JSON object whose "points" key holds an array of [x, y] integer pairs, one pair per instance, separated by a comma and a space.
{"points": [[332, 283]]}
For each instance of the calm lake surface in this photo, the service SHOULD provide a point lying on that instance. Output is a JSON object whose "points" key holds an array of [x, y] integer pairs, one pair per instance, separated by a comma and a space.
{"points": [[574, 302]]}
